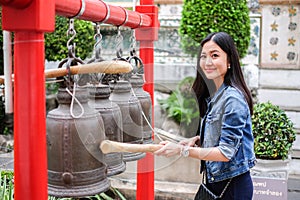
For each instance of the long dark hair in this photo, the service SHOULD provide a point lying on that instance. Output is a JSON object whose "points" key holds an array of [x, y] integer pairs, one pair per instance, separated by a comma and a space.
{"points": [[204, 87]]}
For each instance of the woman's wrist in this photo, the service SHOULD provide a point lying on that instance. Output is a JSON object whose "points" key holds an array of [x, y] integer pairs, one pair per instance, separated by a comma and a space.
{"points": [[184, 151]]}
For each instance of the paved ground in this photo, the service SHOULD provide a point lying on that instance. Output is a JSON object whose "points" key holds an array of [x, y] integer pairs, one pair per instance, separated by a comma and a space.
{"points": [[7, 162], [294, 188]]}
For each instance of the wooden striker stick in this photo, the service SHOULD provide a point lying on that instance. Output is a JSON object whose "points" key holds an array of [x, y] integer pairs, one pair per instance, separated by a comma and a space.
{"points": [[108, 146], [108, 67]]}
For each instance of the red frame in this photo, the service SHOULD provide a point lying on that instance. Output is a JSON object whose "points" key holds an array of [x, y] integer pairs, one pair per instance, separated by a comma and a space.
{"points": [[29, 19]]}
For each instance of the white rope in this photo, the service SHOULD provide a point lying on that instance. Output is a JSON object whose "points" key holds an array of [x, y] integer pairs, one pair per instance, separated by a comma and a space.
{"points": [[72, 103], [54, 81], [144, 116]]}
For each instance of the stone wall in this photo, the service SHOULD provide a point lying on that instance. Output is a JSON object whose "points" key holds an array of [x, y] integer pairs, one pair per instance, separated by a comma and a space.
{"points": [[279, 66]]}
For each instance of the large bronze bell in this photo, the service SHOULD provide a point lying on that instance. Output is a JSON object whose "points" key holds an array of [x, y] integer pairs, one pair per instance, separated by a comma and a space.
{"points": [[74, 133], [131, 116], [112, 118], [137, 83]]}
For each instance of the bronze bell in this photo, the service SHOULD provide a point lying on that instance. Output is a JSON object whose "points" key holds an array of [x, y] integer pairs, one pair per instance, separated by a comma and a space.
{"points": [[131, 116], [74, 133], [137, 83], [112, 118]]}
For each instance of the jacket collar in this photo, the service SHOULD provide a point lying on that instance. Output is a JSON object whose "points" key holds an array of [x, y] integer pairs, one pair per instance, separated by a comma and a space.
{"points": [[217, 95]]}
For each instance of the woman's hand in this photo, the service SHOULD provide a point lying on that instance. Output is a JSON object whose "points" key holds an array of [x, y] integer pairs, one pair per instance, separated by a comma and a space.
{"points": [[169, 149], [191, 142]]}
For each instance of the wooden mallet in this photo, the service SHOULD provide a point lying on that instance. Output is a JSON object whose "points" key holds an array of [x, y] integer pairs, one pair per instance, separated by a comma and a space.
{"points": [[107, 67], [108, 146]]}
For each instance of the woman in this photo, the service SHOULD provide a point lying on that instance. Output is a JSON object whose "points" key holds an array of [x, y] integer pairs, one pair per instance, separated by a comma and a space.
{"points": [[225, 141]]}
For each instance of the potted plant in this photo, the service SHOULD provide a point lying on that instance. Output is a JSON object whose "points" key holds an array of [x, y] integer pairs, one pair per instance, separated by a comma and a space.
{"points": [[181, 107], [274, 135]]}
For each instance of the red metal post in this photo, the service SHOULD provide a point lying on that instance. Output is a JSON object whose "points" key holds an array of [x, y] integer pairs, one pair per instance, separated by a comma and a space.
{"points": [[92, 10], [146, 36], [99, 11], [30, 157], [16, 3], [145, 166], [37, 16], [29, 19], [30, 164]]}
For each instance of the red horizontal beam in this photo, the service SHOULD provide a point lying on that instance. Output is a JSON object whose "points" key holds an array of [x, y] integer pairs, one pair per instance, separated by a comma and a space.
{"points": [[15, 3], [99, 11]]}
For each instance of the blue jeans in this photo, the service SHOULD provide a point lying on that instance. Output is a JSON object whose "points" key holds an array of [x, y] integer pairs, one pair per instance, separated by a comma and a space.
{"points": [[240, 188]]}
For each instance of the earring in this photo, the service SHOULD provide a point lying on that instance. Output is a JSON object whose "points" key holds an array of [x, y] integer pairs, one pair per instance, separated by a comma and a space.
{"points": [[228, 66]]}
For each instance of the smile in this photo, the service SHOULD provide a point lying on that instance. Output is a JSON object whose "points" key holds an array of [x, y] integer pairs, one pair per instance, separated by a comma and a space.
{"points": [[209, 70]]}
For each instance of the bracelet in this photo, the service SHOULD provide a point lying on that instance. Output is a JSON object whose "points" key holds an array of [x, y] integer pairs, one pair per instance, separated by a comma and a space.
{"points": [[185, 151]]}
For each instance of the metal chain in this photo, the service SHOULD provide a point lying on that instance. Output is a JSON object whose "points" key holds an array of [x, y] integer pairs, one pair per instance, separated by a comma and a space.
{"points": [[98, 44], [132, 38], [119, 43], [133, 43], [71, 31], [96, 77]]}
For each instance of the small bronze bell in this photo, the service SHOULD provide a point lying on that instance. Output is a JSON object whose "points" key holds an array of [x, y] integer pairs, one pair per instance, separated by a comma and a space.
{"points": [[112, 118], [74, 133], [131, 116], [137, 83]]}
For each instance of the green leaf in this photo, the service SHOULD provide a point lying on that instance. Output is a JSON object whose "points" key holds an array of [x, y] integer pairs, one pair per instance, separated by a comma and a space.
{"points": [[56, 42], [273, 131], [200, 18], [181, 105], [105, 196]]}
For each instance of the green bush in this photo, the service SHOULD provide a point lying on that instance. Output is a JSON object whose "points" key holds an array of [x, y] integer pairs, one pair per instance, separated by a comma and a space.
{"points": [[273, 131], [199, 18], [56, 42], [6, 185], [181, 105]]}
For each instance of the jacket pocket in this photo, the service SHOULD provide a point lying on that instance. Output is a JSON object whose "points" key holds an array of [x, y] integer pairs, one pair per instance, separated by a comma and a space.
{"points": [[214, 125], [217, 168], [212, 118]]}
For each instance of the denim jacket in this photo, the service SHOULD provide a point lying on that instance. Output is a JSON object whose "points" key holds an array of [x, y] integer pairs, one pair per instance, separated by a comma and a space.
{"points": [[227, 126]]}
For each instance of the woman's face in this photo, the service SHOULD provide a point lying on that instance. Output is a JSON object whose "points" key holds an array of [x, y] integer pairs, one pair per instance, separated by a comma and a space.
{"points": [[214, 62]]}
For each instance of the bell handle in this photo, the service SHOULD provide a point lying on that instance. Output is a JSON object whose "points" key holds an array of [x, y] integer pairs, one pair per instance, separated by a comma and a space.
{"points": [[108, 67], [108, 146]]}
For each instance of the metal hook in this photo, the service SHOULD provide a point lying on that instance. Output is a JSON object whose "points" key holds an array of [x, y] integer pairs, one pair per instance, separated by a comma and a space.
{"points": [[98, 38], [132, 44], [71, 31], [119, 41], [71, 51]]}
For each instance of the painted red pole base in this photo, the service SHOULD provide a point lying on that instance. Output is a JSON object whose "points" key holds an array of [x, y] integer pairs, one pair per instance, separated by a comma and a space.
{"points": [[146, 36], [145, 167], [30, 159]]}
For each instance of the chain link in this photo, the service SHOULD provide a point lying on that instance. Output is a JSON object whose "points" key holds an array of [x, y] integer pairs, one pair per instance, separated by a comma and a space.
{"points": [[98, 44], [71, 31], [119, 43]]}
